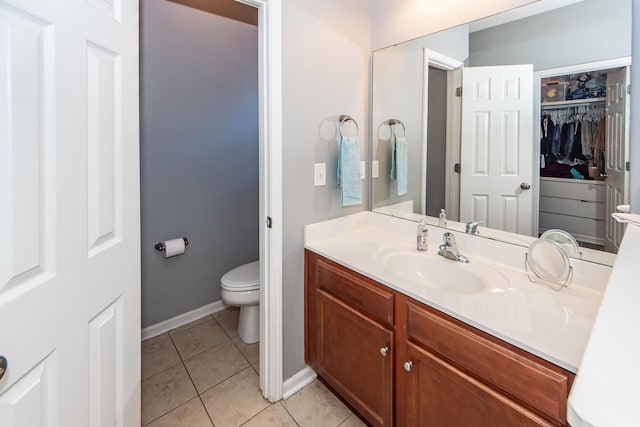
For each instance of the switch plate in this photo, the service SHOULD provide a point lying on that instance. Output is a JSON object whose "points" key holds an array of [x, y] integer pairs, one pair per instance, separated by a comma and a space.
{"points": [[363, 170], [319, 174], [375, 169]]}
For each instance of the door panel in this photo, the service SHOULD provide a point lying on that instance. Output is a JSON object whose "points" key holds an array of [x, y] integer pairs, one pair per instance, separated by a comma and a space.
{"points": [[496, 154], [69, 191], [104, 146], [616, 154]]}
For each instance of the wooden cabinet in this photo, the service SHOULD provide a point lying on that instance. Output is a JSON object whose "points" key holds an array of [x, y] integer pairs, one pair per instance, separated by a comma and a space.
{"points": [[399, 362], [466, 375], [349, 335], [437, 393]]}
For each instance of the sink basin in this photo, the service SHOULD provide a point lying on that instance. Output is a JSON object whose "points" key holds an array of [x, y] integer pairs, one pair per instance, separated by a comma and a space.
{"points": [[435, 272]]}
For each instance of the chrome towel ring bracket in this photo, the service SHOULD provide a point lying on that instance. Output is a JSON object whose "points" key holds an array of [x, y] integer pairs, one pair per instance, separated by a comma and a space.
{"points": [[343, 119], [395, 122]]}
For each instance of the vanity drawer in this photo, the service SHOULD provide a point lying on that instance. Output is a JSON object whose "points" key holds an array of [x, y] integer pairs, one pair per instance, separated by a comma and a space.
{"points": [[590, 191], [573, 207], [533, 381], [354, 289]]}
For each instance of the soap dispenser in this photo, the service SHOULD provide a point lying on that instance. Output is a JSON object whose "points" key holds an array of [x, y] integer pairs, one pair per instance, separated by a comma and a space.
{"points": [[442, 218], [421, 236]]}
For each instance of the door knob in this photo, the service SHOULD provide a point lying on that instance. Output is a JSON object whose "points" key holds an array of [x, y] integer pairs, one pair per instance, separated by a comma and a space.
{"points": [[384, 351], [408, 365], [3, 366], [525, 186]]}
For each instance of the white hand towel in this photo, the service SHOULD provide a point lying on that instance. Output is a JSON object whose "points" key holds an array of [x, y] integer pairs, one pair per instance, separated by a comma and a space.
{"points": [[627, 217]]}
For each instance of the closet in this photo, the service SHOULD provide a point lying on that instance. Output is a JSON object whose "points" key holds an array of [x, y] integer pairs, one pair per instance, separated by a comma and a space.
{"points": [[583, 154]]}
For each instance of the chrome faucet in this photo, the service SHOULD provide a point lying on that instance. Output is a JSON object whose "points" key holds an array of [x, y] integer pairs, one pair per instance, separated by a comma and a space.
{"points": [[449, 250], [472, 227]]}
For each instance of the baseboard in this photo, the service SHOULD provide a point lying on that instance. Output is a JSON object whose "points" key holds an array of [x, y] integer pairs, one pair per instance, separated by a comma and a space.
{"points": [[181, 319], [297, 382]]}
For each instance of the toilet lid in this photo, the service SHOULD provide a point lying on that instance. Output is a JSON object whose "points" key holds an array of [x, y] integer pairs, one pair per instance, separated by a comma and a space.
{"points": [[245, 277]]}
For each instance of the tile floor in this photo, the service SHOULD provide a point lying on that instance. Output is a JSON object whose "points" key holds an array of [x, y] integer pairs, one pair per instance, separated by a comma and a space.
{"points": [[202, 375]]}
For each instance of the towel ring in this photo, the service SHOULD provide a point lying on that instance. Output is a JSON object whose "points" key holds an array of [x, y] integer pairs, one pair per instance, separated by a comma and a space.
{"points": [[395, 122], [343, 119]]}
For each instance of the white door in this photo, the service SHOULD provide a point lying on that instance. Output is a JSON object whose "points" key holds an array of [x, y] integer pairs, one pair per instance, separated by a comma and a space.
{"points": [[496, 153], [69, 213], [616, 155]]}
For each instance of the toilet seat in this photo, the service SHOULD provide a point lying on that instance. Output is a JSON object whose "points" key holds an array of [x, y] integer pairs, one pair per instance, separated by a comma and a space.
{"points": [[245, 277]]}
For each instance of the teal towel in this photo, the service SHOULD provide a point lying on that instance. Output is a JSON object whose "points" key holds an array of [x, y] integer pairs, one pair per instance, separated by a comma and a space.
{"points": [[400, 163], [349, 171]]}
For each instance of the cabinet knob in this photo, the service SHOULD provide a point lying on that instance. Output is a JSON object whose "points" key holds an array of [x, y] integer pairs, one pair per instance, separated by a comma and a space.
{"points": [[408, 366], [384, 351], [3, 366]]}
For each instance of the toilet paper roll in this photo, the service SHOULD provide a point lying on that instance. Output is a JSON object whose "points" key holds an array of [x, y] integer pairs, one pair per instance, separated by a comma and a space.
{"points": [[173, 247]]}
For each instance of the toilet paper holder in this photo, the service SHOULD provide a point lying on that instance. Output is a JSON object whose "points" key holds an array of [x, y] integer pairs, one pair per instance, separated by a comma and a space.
{"points": [[160, 245]]}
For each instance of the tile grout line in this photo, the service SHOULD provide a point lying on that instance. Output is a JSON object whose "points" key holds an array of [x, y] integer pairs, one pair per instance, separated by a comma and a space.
{"points": [[290, 414], [190, 379], [198, 395]]}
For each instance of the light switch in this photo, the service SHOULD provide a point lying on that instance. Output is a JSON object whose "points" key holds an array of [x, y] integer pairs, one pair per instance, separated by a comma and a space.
{"points": [[319, 174], [375, 169], [362, 170]]}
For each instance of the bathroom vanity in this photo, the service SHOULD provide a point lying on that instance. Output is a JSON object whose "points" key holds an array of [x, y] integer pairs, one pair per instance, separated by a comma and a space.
{"points": [[447, 345]]}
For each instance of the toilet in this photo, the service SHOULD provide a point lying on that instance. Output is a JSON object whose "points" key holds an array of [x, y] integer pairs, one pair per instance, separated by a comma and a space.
{"points": [[241, 287]]}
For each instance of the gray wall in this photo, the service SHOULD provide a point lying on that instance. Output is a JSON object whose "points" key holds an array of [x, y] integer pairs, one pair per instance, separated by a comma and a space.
{"points": [[436, 140], [597, 30], [199, 153], [325, 54], [397, 93]]}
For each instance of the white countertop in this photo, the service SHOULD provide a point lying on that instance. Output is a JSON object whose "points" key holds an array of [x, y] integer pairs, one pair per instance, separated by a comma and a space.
{"points": [[552, 325], [605, 392]]}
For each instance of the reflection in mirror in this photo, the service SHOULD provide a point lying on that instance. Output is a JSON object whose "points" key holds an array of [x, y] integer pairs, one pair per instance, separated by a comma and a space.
{"points": [[568, 65]]}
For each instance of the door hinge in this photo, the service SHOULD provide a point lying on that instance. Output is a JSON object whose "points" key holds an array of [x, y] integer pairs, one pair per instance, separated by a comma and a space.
{"points": [[268, 222], [627, 167], [629, 89], [459, 91], [456, 168]]}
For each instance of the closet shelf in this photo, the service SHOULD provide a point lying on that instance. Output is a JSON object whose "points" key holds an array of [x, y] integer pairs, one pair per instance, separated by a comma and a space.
{"points": [[573, 102]]}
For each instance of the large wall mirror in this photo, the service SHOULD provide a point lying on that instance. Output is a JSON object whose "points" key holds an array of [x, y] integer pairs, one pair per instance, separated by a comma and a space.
{"points": [[519, 122]]}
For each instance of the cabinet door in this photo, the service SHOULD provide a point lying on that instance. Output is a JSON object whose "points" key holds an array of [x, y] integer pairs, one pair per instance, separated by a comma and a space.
{"points": [[435, 393], [353, 356]]}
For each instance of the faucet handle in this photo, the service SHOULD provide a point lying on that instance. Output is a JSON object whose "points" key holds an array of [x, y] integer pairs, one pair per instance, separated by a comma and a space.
{"points": [[472, 227], [449, 239]]}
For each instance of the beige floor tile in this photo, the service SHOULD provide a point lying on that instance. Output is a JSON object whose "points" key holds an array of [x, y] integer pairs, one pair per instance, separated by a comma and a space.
{"points": [[274, 416], [190, 414], [250, 351], [236, 400], [153, 340], [353, 421], [158, 354], [199, 338], [228, 320], [191, 324], [256, 367], [215, 365], [314, 405], [165, 391]]}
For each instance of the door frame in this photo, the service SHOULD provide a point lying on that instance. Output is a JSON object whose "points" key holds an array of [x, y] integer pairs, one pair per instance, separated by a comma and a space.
{"points": [[270, 137], [624, 61]]}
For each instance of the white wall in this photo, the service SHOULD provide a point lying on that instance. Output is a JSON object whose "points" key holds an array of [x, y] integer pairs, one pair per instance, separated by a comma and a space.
{"points": [[400, 20], [325, 73]]}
